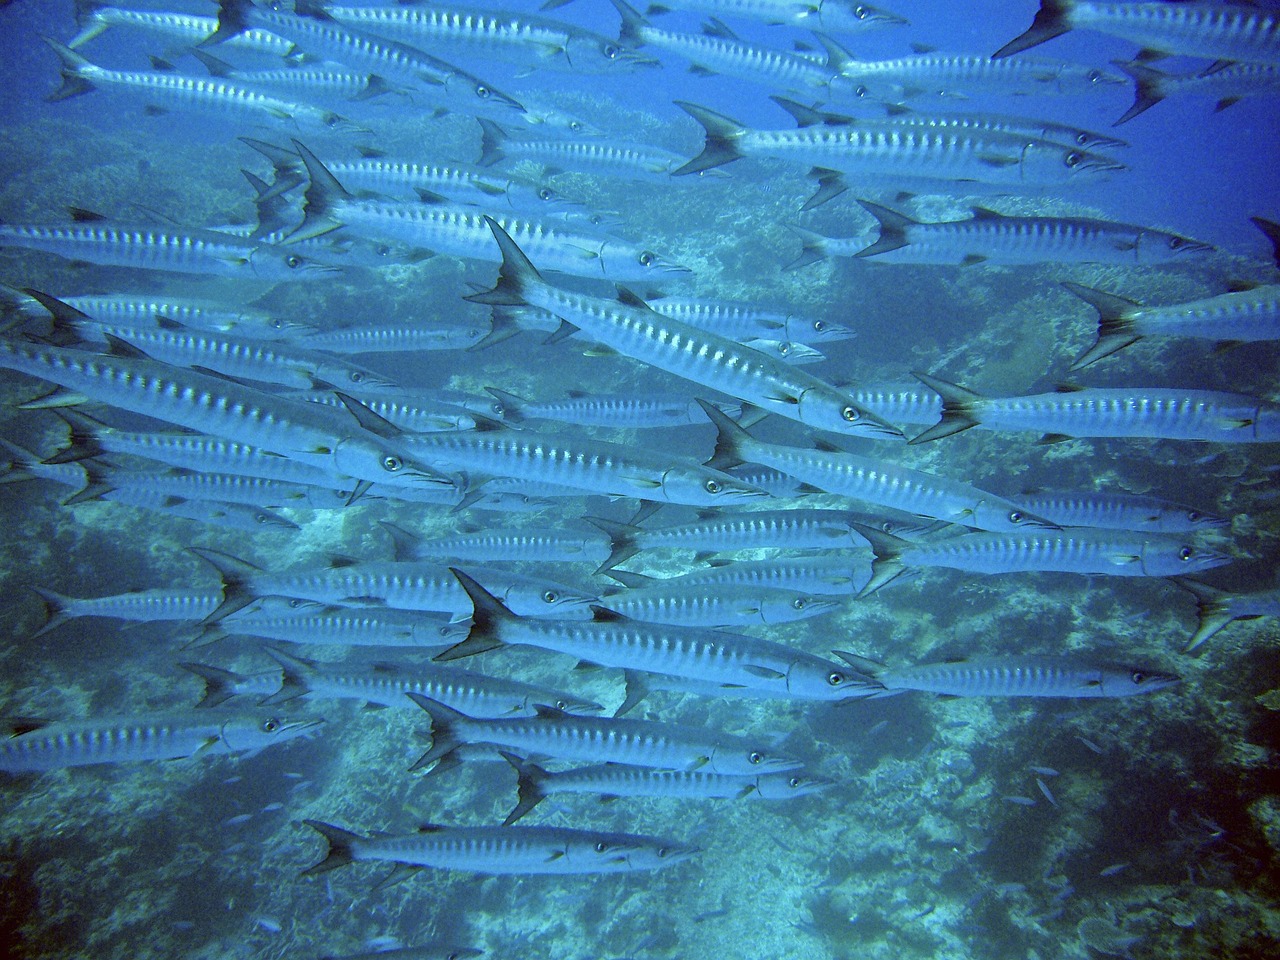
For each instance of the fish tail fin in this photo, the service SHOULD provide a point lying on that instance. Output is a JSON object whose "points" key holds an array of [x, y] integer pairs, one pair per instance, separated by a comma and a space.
{"points": [[1051, 20], [55, 610], [404, 545], [831, 184], [1211, 608], [295, 676], [730, 438], [74, 70], [235, 574], [323, 193], [488, 617], [340, 851], [492, 137], [1271, 230], [722, 134], [515, 277], [233, 20], [893, 229], [219, 685], [286, 165], [529, 789], [887, 564], [1148, 88], [444, 730], [622, 541], [959, 409], [84, 437], [512, 406], [636, 688], [91, 25], [813, 247], [1115, 323], [630, 31]]}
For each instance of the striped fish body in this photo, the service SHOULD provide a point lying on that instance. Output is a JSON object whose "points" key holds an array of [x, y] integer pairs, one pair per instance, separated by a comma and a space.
{"points": [[742, 321], [834, 576], [628, 411], [128, 310], [409, 410], [951, 75], [408, 338], [1120, 511], [1026, 676], [1215, 31], [990, 237], [901, 403], [640, 743], [160, 248], [461, 184], [728, 607], [597, 156], [1228, 85], [193, 485], [616, 780], [844, 16], [1245, 316], [1034, 128], [148, 606], [524, 544], [503, 850], [187, 29], [78, 743], [350, 627], [321, 83]]}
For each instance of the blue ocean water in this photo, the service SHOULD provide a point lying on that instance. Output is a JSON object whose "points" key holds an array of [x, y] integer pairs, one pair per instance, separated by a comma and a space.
{"points": [[965, 827]]}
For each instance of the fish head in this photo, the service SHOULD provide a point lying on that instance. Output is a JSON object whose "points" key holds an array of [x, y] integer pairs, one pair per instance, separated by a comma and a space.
{"points": [[752, 759], [828, 409], [547, 119], [1071, 78], [528, 597], [851, 15], [1074, 163], [1173, 559], [625, 261], [795, 783], [255, 731], [1158, 246], [1122, 681], [270, 262], [796, 354], [374, 459], [702, 487], [480, 97], [338, 375], [810, 330], [1005, 517], [592, 54], [618, 852], [1088, 140], [789, 607], [818, 679], [267, 520], [336, 123]]}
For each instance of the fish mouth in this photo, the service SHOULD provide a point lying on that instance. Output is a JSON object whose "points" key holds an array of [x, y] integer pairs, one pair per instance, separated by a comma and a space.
{"points": [[1195, 246], [1102, 165], [1098, 142], [670, 266], [777, 765]]}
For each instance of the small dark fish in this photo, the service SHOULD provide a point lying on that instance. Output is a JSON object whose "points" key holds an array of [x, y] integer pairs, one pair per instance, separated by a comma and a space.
{"points": [[237, 820], [1020, 801], [1044, 771], [877, 727], [1091, 745], [1114, 869]]}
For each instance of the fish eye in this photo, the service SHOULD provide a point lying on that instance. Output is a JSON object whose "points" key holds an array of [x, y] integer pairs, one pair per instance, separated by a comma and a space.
{"points": [[1016, 516], [793, 781], [850, 415], [1176, 243], [1082, 139], [1072, 159], [498, 410], [784, 349], [550, 596], [357, 377], [332, 120], [561, 705], [575, 126], [1138, 676], [270, 725], [861, 12], [1194, 516], [1186, 553], [296, 603], [601, 846], [860, 91], [712, 486], [546, 193], [819, 326], [483, 92], [799, 603], [610, 51], [391, 463], [1095, 76], [834, 678], [292, 261], [646, 259], [755, 756]]}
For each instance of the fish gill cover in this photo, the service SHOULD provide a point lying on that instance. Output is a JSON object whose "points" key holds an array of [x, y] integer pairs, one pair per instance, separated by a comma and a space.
{"points": [[372, 433]]}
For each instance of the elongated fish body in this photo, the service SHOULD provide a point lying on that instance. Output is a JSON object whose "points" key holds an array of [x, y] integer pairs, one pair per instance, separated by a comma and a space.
{"points": [[408, 410], [522, 37], [158, 605], [1126, 412], [616, 780], [990, 237], [187, 29], [901, 403], [954, 74], [1034, 127], [387, 684], [147, 247], [168, 90], [503, 850], [313, 83], [1245, 316], [710, 360], [884, 148], [314, 31], [1227, 86], [191, 485], [1120, 511], [590, 466], [873, 480], [517, 545], [841, 16], [1216, 31], [79, 743], [405, 338], [718, 51], [348, 626], [627, 411], [402, 586], [743, 321], [597, 157], [1116, 553], [135, 310], [639, 743], [837, 576], [213, 405], [740, 606], [1217, 608], [1020, 676]]}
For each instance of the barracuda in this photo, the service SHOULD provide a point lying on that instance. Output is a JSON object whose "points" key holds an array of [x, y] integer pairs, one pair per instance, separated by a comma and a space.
{"points": [[1143, 412], [743, 321], [603, 158], [993, 238], [411, 411], [1217, 608], [1035, 128], [402, 339], [1244, 316], [94, 239], [165, 89], [501, 850], [872, 480], [96, 18], [313, 30], [149, 606], [526, 38], [309, 623], [138, 309], [901, 152], [839, 16], [213, 405], [838, 575], [76, 743], [1116, 553], [705, 358], [623, 411], [312, 83], [1120, 511], [1015, 676], [744, 605], [1216, 31], [464, 232], [638, 743], [616, 780], [1227, 86], [536, 544]]}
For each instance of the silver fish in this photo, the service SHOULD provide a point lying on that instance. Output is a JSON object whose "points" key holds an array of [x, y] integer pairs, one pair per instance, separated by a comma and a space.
{"points": [[1217, 608], [1119, 511], [1227, 86]]}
